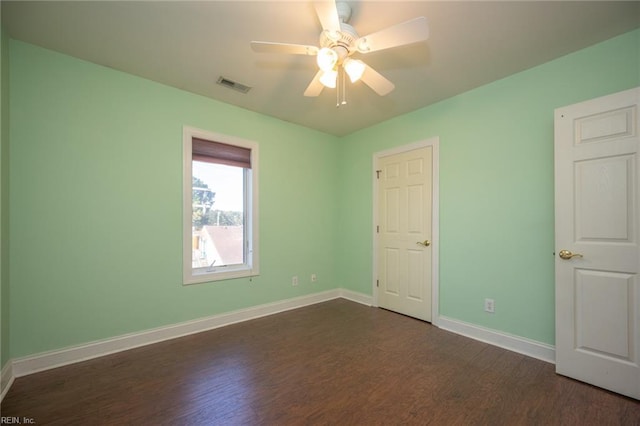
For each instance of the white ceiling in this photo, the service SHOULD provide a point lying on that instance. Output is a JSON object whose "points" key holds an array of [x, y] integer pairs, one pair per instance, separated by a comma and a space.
{"points": [[188, 45]]}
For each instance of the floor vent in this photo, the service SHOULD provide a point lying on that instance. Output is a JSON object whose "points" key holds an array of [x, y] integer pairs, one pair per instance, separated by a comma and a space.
{"points": [[233, 85]]}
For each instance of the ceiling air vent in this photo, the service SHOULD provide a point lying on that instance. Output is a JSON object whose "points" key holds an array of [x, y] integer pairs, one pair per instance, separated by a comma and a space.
{"points": [[233, 85]]}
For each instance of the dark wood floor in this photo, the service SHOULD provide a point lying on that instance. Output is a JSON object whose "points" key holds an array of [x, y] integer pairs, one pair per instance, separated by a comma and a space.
{"points": [[336, 363]]}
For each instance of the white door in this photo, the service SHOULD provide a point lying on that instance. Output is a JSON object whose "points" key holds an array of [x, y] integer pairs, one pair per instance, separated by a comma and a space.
{"points": [[597, 181], [404, 232]]}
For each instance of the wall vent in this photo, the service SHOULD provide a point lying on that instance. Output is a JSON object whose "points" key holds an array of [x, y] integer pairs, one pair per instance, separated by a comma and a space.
{"points": [[222, 81]]}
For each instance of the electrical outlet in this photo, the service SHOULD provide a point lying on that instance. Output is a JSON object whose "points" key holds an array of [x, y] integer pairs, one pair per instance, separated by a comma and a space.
{"points": [[314, 278], [489, 306], [294, 280]]}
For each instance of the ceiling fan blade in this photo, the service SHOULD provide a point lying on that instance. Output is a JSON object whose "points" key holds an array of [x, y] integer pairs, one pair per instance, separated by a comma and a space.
{"points": [[315, 87], [407, 32], [328, 15], [288, 48], [376, 81]]}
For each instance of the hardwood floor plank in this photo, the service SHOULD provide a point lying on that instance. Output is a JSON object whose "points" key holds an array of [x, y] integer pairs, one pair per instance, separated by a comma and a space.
{"points": [[333, 363]]}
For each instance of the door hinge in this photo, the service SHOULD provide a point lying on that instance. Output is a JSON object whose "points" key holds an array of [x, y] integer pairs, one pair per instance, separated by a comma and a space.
{"points": [[378, 173], [377, 283], [378, 229]]}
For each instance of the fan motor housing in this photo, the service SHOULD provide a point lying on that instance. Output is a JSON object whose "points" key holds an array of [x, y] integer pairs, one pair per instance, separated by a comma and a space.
{"points": [[345, 38]]}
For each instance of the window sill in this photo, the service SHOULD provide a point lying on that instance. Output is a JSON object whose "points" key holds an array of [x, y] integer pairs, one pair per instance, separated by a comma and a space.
{"points": [[226, 273]]}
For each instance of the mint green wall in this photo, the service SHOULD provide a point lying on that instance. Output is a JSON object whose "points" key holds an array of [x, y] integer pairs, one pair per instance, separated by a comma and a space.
{"points": [[496, 186], [96, 199], [5, 353]]}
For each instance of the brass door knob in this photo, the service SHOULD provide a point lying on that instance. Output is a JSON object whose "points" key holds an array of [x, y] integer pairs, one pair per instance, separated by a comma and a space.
{"points": [[425, 243], [566, 254]]}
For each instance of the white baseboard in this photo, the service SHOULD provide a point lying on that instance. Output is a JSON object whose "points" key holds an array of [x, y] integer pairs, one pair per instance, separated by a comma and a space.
{"points": [[58, 358], [47, 360], [363, 299], [532, 348], [6, 379]]}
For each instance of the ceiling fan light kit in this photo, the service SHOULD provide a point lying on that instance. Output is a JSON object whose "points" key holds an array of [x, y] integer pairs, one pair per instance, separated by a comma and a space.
{"points": [[354, 69], [329, 78], [339, 41], [326, 59]]}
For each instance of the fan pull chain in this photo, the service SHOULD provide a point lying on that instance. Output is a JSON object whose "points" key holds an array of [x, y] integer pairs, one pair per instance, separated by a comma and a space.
{"points": [[344, 88], [341, 82], [338, 89]]}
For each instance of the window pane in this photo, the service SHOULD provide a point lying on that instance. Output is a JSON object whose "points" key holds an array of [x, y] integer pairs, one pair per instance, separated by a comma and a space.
{"points": [[218, 214]]}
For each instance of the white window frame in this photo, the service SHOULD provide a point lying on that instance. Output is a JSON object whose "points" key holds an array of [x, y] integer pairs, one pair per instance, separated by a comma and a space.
{"points": [[250, 267]]}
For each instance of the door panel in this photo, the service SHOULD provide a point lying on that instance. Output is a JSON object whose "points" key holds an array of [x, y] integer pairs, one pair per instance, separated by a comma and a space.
{"points": [[597, 193], [607, 125], [415, 214], [391, 271], [405, 203], [604, 189], [415, 267], [604, 316]]}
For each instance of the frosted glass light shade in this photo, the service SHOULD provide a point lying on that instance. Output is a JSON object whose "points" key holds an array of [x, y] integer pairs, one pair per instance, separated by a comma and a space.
{"points": [[354, 68], [329, 78], [326, 59]]}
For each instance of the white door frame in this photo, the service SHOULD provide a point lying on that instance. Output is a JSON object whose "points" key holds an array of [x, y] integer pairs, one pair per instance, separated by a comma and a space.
{"points": [[433, 142]]}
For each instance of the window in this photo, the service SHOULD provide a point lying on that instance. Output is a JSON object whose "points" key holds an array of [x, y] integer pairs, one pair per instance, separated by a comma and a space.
{"points": [[220, 210]]}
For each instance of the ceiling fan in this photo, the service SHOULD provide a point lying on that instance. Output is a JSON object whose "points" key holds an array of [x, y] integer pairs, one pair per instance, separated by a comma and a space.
{"points": [[339, 41]]}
